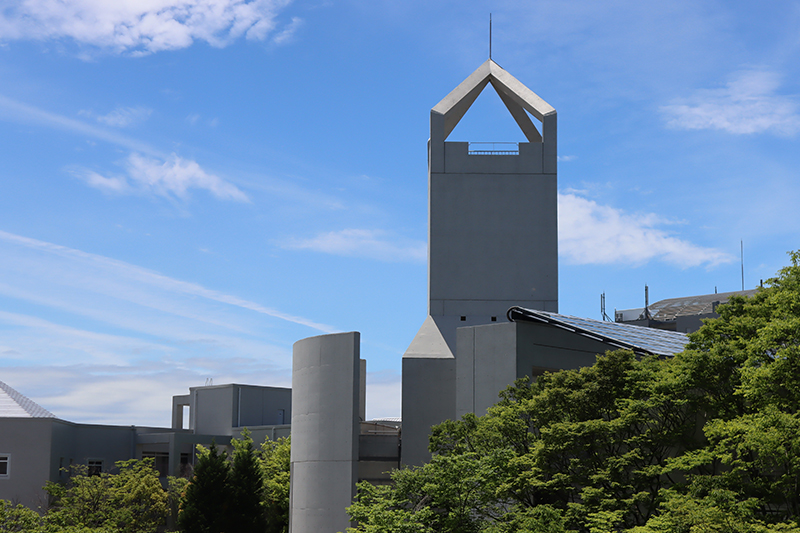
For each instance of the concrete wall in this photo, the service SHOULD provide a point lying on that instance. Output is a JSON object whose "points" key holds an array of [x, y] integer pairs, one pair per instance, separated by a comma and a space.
{"points": [[325, 427], [27, 442], [378, 454], [217, 409], [85, 442], [261, 433], [486, 363], [212, 411], [262, 406], [429, 394], [491, 357], [178, 403], [429, 386], [493, 233], [691, 323], [41, 447]]}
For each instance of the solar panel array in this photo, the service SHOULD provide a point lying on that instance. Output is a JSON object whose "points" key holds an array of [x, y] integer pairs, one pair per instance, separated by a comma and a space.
{"points": [[637, 338]]}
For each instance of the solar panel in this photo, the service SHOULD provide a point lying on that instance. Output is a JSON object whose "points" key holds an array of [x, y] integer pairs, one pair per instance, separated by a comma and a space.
{"points": [[637, 338]]}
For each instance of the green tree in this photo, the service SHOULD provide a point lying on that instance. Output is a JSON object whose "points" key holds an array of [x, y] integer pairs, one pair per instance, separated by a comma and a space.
{"points": [[18, 518], [129, 501], [589, 444], [246, 488], [619, 445], [206, 501], [275, 459], [744, 369]]}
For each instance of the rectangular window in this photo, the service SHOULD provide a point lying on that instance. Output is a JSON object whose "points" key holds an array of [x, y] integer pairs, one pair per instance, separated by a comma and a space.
{"points": [[95, 466], [4, 460], [160, 462]]}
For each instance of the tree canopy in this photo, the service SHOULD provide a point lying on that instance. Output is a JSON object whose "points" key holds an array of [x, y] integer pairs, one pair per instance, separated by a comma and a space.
{"points": [[708, 440], [247, 493]]}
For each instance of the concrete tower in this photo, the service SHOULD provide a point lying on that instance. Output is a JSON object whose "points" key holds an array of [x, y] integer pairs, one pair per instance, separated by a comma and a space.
{"points": [[492, 242]]}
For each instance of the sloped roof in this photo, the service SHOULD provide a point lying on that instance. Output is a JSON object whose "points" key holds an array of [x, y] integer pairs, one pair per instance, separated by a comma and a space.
{"points": [[516, 97], [627, 336], [672, 308], [15, 405]]}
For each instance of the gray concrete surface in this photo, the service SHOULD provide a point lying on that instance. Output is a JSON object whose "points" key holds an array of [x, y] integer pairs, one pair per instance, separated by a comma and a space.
{"points": [[492, 244], [325, 428]]}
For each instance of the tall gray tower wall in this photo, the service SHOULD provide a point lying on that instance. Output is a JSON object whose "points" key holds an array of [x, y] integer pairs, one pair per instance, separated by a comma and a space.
{"points": [[492, 244], [325, 427], [493, 234]]}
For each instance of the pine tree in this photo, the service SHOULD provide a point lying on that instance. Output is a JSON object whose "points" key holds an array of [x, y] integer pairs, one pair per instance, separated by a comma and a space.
{"points": [[205, 507], [246, 488]]}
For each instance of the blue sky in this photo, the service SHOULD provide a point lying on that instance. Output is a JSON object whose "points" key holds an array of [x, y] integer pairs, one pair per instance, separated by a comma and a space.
{"points": [[187, 187]]}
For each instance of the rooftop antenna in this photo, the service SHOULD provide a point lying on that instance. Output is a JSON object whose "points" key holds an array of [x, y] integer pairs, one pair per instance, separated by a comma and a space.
{"points": [[603, 314], [490, 35]]}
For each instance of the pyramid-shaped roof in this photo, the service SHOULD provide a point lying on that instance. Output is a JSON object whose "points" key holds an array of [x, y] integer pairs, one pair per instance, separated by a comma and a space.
{"points": [[15, 405], [517, 98]]}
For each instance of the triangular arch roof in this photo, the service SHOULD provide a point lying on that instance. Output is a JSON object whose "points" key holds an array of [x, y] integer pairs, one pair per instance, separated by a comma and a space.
{"points": [[516, 97]]}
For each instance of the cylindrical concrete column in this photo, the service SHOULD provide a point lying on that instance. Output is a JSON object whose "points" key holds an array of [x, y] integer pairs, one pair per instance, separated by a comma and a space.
{"points": [[325, 425]]}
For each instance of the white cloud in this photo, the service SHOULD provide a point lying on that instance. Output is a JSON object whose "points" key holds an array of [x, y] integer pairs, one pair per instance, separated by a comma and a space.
{"points": [[594, 234], [383, 394], [746, 105], [142, 27], [125, 116], [372, 244], [287, 34], [171, 179]]}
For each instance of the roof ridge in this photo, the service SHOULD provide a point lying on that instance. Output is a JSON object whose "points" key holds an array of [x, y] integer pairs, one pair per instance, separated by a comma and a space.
{"points": [[20, 402]]}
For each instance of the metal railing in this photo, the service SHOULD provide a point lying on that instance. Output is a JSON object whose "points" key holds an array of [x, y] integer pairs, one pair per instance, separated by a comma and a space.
{"points": [[493, 148]]}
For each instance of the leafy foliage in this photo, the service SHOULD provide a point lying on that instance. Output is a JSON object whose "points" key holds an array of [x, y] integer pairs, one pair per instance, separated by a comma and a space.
{"points": [[131, 501], [249, 493], [275, 462], [706, 441], [17, 518]]}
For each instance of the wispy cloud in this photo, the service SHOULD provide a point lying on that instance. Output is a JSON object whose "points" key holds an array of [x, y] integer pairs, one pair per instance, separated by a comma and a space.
{"points": [[124, 281], [135, 394], [122, 117], [171, 178], [372, 244], [590, 233], [748, 104], [287, 34], [140, 28], [17, 111], [83, 345]]}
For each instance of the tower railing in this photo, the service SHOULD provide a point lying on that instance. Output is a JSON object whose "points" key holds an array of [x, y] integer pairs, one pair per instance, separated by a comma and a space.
{"points": [[493, 148]]}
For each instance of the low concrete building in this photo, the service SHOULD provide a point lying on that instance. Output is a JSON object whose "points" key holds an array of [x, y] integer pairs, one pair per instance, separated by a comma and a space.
{"points": [[37, 447]]}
